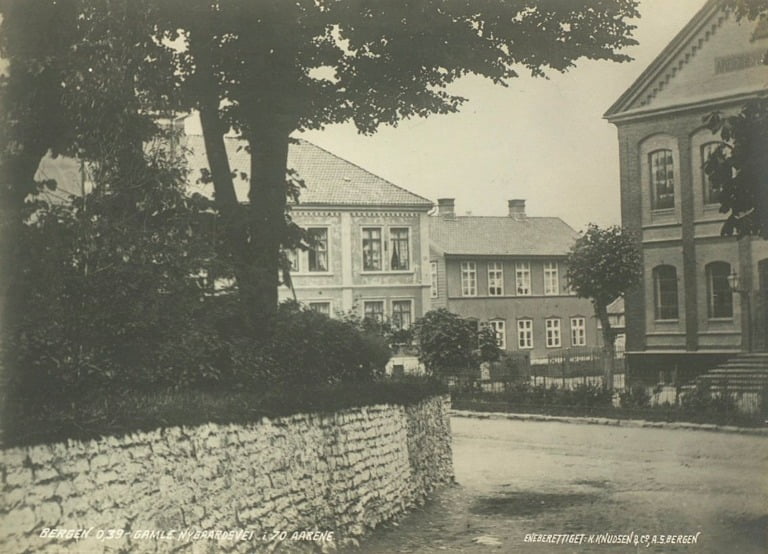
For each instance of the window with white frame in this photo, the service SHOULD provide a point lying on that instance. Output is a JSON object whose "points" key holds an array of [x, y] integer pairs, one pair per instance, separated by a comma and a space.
{"points": [[524, 334], [552, 327], [499, 327], [578, 331], [433, 279], [401, 314], [551, 278], [317, 255], [372, 251], [665, 292], [662, 173], [468, 279], [523, 278], [400, 247], [495, 279], [719, 293], [321, 307], [374, 309]]}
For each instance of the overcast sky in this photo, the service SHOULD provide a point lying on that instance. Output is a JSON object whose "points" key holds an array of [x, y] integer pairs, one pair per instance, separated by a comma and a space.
{"points": [[541, 140]]}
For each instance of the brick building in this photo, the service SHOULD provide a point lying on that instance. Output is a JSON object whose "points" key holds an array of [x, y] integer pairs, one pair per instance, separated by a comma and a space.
{"points": [[685, 315]]}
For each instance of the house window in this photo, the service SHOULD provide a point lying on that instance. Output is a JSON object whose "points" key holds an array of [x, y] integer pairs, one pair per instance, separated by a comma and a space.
{"points": [[468, 279], [371, 249], [711, 192], [524, 334], [433, 279], [400, 259], [662, 172], [523, 278], [401, 314], [665, 292], [374, 309], [719, 294], [495, 279], [318, 249], [553, 333], [578, 331], [551, 279], [321, 307], [498, 327]]}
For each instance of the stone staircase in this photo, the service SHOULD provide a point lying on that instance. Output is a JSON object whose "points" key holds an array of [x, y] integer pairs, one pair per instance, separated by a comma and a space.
{"points": [[746, 373]]}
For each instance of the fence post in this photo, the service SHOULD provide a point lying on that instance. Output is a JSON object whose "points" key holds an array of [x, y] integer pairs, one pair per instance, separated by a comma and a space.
{"points": [[563, 367]]}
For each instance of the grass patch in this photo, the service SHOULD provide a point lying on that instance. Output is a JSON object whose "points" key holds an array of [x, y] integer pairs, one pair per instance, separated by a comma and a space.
{"points": [[35, 421], [656, 413]]}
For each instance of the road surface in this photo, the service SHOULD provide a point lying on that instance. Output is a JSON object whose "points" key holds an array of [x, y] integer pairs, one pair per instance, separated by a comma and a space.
{"points": [[569, 484]]}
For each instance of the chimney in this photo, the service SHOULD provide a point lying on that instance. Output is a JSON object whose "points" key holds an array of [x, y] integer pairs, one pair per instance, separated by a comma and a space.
{"points": [[517, 208], [445, 207]]}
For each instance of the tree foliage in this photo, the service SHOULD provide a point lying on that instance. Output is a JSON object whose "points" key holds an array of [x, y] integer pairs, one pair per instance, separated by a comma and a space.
{"points": [[738, 168], [449, 343], [603, 264], [268, 68]]}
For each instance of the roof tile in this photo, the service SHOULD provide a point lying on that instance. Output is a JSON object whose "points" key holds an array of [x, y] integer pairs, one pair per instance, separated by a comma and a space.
{"points": [[501, 236], [329, 179]]}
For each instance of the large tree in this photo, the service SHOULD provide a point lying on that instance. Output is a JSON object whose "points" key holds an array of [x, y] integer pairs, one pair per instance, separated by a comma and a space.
{"points": [[269, 68]]}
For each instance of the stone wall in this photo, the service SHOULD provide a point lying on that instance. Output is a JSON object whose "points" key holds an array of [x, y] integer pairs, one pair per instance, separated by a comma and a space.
{"points": [[244, 487]]}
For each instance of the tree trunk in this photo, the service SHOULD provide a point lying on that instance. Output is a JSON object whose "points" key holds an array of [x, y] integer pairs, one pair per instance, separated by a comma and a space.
{"points": [[609, 339], [237, 245], [267, 196]]}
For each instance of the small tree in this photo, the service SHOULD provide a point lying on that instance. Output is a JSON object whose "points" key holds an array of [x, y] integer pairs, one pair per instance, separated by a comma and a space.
{"points": [[449, 343], [604, 264]]}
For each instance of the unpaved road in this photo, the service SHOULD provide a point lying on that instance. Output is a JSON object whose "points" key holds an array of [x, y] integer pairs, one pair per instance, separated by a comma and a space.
{"points": [[519, 478]]}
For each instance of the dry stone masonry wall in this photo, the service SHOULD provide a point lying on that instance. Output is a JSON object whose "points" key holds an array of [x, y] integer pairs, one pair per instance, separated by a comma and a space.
{"points": [[299, 482]]}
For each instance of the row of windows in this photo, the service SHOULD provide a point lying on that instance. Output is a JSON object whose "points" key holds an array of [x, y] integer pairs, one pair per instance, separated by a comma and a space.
{"points": [[383, 249], [662, 176], [553, 334], [401, 313], [496, 279], [719, 294]]}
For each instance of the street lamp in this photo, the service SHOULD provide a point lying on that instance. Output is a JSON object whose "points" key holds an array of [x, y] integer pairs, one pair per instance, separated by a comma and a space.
{"points": [[736, 286]]}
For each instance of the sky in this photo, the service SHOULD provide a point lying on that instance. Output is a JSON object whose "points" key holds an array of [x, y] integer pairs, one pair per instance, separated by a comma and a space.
{"points": [[541, 140]]}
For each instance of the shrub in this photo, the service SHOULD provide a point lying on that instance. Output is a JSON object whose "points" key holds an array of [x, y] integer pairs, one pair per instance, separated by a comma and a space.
{"points": [[702, 400], [306, 347], [635, 397], [451, 344]]}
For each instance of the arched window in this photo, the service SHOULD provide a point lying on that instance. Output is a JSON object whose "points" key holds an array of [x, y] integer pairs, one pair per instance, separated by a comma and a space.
{"points": [[662, 174], [719, 294], [665, 292], [711, 192]]}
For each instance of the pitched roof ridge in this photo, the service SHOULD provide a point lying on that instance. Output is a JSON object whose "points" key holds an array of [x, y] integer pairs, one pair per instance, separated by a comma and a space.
{"points": [[669, 51], [363, 169]]}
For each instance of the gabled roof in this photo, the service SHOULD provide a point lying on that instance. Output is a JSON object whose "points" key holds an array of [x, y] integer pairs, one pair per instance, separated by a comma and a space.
{"points": [[329, 179], [684, 74], [501, 236]]}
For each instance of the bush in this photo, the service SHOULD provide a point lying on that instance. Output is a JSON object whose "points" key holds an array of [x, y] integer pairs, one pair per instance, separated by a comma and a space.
{"points": [[305, 347], [450, 344], [125, 411], [702, 400], [582, 395], [635, 397]]}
